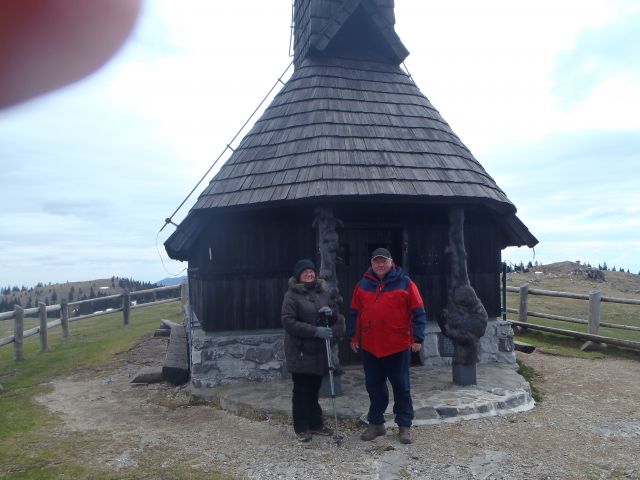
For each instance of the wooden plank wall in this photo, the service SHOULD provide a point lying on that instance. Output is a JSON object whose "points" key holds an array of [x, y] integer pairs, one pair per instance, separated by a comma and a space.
{"points": [[241, 285], [241, 288]]}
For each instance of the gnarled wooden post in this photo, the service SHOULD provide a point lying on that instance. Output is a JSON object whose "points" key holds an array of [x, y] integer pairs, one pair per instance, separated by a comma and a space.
{"points": [[328, 245], [464, 316]]}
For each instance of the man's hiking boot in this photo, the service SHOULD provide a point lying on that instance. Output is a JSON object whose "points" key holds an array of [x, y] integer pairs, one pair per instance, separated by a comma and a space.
{"points": [[404, 435], [325, 431], [373, 431], [303, 436]]}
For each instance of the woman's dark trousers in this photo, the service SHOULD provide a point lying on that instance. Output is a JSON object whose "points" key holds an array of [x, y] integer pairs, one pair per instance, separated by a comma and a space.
{"points": [[307, 414], [376, 372]]}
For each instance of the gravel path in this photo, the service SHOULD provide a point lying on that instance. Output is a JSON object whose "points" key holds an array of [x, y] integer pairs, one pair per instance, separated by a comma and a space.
{"points": [[588, 426]]}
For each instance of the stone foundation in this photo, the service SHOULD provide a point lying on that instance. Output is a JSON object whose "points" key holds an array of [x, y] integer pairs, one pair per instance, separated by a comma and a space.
{"points": [[230, 357], [496, 346], [222, 358]]}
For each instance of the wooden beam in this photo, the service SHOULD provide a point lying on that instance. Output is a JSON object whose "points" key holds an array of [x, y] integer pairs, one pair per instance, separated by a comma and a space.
{"points": [[580, 335], [523, 347]]}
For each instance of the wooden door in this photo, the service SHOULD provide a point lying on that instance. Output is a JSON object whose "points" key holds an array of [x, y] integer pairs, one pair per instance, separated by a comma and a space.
{"points": [[354, 257]]}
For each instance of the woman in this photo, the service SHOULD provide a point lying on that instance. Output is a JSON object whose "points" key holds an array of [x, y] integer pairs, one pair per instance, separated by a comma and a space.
{"points": [[304, 345]]}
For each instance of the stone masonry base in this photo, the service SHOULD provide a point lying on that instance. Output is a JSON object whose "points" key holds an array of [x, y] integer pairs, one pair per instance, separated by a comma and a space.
{"points": [[222, 358]]}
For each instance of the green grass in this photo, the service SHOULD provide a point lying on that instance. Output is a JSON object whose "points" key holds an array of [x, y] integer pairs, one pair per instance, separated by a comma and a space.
{"points": [[31, 447], [530, 375]]}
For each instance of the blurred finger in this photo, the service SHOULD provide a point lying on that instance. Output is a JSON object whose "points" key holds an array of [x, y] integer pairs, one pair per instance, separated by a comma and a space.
{"points": [[46, 44]]}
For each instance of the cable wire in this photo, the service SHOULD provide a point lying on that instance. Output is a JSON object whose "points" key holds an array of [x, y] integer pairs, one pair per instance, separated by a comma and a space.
{"points": [[169, 220], [406, 69], [227, 147], [162, 260]]}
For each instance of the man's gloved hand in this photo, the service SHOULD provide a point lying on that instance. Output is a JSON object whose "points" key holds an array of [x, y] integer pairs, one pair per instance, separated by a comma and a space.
{"points": [[323, 332], [325, 311]]}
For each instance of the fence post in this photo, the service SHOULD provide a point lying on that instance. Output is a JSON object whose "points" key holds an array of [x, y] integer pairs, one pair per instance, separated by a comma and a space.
{"points": [[126, 307], [594, 322], [64, 317], [18, 332], [524, 305], [43, 326], [184, 294]]}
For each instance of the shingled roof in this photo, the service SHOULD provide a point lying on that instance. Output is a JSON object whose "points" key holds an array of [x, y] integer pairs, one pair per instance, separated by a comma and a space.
{"points": [[349, 128], [351, 124]]}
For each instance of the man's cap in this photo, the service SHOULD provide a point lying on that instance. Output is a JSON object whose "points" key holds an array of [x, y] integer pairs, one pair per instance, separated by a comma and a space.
{"points": [[381, 252]]}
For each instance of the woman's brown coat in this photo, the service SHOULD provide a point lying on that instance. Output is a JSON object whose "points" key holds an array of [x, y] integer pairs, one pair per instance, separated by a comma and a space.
{"points": [[304, 352]]}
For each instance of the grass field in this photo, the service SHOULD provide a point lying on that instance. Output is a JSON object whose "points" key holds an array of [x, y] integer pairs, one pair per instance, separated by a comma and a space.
{"points": [[559, 278], [30, 447]]}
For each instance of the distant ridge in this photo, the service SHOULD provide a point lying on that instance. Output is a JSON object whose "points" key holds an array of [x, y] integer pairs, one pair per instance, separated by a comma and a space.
{"points": [[170, 281]]}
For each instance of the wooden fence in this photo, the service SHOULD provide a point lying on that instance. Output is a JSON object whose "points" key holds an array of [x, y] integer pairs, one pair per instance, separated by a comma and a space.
{"points": [[65, 307], [593, 324]]}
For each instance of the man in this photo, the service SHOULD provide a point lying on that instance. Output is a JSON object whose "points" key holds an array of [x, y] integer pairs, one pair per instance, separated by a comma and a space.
{"points": [[387, 321]]}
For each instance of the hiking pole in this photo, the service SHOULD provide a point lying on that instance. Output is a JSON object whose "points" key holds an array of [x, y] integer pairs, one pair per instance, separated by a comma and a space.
{"points": [[326, 312]]}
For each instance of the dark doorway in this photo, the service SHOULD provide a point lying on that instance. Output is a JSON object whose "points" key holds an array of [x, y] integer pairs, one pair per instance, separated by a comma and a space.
{"points": [[354, 256]]}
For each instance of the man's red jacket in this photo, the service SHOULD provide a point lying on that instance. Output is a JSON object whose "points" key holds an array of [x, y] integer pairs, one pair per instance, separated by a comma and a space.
{"points": [[386, 316]]}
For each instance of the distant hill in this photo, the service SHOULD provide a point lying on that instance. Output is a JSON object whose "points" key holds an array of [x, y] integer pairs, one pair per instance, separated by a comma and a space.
{"points": [[170, 281], [53, 293], [573, 277]]}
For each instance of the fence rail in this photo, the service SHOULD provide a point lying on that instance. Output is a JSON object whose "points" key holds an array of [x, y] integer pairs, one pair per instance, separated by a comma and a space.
{"points": [[19, 313], [593, 324]]}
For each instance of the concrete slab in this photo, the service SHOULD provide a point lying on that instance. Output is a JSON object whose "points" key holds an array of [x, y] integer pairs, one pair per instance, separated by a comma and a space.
{"points": [[499, 390]]}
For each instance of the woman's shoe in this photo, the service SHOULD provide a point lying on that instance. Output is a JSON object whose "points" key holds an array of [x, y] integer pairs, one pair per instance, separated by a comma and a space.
{"points": [[303, 436]]}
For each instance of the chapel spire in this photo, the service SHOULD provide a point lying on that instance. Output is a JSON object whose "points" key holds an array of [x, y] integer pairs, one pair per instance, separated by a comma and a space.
{"points": [[354, 29]]}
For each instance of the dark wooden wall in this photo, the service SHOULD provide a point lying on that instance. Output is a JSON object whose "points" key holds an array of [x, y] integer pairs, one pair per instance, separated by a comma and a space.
{"points": [[241, 284]]}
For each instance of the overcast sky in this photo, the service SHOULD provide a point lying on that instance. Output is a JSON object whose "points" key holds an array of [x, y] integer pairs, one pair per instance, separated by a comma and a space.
{"points": [[546, 95]]}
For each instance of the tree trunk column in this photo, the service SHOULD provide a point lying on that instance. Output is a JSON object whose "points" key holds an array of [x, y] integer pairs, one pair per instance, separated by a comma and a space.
{"points": [[328, 243], [464, 316]]}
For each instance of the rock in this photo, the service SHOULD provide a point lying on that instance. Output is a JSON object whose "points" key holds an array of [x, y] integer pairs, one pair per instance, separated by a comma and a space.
{"points": [[148, 375], [168, 324], [176, 363]]}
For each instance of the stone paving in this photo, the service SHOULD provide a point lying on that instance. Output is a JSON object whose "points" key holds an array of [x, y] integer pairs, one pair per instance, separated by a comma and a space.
{"points": [[499, 390]]}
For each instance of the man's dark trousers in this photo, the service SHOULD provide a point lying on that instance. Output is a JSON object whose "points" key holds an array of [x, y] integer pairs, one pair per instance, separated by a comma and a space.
{"points": [[376, 372], [306, 411]]}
